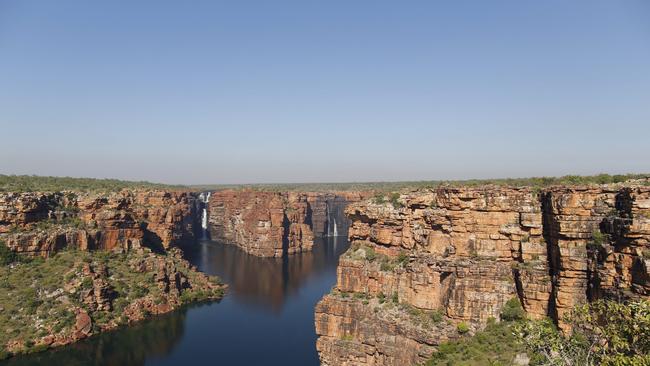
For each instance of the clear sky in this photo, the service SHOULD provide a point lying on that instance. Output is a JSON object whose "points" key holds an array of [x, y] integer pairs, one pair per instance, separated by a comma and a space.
{"points": [[307, 91]]}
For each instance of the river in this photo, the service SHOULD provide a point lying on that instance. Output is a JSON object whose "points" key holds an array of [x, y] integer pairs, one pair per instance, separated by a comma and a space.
{"points": [[266, 317]]}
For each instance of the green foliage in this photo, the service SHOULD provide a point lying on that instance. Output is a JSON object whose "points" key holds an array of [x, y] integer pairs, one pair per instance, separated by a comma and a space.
{"points": [[347, 337], [379, 199], [30, 183], [387, 266], [385, 187], [598, 237], [381, 297], [371, 255], [39, 297], [603, 333], [360, 295], [394, 200], [7, 256], [462, 328], [512, 310], [395, 298], [495, 345]]}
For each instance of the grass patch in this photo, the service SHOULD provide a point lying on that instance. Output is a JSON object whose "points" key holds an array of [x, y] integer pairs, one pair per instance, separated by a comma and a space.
{"points": [[495, 345]]}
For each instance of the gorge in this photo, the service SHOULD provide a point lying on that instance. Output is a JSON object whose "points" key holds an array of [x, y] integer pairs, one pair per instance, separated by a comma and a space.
{"points": [[417, 268]]}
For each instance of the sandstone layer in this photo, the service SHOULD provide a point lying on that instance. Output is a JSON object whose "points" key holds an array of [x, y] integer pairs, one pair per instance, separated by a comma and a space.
{"points": [[41, 223], [434, 259], [273, 224]]}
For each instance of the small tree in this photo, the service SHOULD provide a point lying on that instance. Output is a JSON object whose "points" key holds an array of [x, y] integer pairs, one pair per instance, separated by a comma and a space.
{"points": [[603, 333], [7, 256], [512, 310]]}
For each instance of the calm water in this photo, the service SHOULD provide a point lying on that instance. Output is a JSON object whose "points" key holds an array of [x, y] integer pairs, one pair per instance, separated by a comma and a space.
{"points": [[267, 317]]}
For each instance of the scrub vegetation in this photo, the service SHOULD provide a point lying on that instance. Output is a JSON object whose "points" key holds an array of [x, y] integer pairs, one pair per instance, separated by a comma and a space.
{"points": [[535, 182], [32, 183], [603, 333]]}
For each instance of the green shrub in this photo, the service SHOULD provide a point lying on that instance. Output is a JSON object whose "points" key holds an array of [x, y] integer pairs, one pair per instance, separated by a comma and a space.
{"points": [[371, 255], [598, 238], [495, 345], [603, 333], [402, 258], [436, 316], [512, 310], [462, 328], [7, 256], [379, 199], [395, 298], [387, 266], [381, 297], [360, 295], [394, 200]]}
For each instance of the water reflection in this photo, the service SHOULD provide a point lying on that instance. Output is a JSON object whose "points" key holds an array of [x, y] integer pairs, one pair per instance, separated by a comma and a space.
{"points": [[266, 318], [127, 346], [265, 282]]}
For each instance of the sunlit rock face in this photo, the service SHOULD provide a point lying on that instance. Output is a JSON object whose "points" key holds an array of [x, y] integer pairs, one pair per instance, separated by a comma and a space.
{"points": [[38, 223], [273, 224], [452, 255]]}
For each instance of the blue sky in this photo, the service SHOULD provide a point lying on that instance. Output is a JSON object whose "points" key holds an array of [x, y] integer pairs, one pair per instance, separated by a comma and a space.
{"points": [[306, 91]]}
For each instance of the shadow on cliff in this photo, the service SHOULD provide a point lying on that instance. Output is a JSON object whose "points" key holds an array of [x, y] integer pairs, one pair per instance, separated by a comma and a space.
{"points": [[152, 240]]}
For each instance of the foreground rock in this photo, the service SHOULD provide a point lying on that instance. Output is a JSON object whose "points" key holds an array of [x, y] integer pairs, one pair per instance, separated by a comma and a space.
{"points": [[435, 263], [273, 224], [73, 295]]}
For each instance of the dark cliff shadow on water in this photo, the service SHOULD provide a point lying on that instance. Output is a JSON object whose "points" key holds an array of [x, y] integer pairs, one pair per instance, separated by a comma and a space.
{"points": [[126, 346]]}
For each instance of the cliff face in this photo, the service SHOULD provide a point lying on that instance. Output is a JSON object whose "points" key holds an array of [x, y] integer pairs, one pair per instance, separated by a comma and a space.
{"points": [[272, 224], [456, 255], [42, 223]]}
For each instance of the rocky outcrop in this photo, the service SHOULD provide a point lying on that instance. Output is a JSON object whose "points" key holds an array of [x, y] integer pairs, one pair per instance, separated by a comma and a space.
{"points": [[273, 224], [434, 259], [42, 223], [85, 293]]}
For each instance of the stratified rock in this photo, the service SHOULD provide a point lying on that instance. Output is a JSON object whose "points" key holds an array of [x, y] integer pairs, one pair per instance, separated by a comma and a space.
{"points": [[43, 223], [272, 224], [461, 253]]}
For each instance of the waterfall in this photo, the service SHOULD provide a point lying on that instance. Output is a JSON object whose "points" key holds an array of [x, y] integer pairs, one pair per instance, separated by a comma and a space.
{"points": [[332, 229], [205, 198], [204, 223]]}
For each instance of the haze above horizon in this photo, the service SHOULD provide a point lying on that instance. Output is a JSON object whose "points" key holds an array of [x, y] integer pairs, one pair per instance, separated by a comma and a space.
{"points": [[303, 91]]}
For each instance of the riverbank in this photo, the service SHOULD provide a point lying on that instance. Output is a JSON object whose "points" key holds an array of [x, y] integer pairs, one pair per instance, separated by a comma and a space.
{"points": [[72, 295]]}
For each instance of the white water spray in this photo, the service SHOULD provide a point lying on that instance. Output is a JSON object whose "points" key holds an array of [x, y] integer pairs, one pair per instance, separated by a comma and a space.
{"points": [[204, 223], [205, 198], [332, 229]]}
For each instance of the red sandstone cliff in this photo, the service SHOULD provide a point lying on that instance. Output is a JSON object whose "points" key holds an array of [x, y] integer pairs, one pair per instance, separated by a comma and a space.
{"points": [[41, 223], [456, 255], [271, 224]]}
